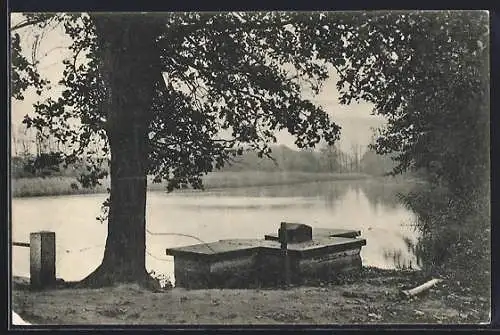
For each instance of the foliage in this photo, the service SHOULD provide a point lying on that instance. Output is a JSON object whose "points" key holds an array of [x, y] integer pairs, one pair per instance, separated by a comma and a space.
{"points": [[26, 75], [286, 159], [331, 157], [24, 72], [376, 164], [455, 235], [427, 73], [220, 72], [223, 71], [44, 164], [50, 186]]}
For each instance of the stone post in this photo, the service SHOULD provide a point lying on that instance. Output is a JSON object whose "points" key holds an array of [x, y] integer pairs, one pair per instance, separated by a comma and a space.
{"points": [[42, 259]]}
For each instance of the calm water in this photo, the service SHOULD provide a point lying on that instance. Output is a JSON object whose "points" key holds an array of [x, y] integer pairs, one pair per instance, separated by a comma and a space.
{"points": [[369, 206]]}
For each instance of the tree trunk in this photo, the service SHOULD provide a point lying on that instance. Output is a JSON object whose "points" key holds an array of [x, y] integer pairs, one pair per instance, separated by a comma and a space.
{"points": [[130, 70]]}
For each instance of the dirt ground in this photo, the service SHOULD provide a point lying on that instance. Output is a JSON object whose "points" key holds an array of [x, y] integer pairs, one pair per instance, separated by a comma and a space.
{"points": [[372, 296]]}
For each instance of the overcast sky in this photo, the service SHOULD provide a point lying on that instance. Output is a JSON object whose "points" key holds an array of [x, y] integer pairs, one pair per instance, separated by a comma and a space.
{"points": [[355, 120]]}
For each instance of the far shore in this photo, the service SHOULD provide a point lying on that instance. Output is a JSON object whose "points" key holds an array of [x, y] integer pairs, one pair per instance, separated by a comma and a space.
{"points": [[54, 186]]}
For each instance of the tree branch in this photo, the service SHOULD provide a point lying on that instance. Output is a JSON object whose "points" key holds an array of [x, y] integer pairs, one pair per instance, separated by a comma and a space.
{"points": [[27, 23]]}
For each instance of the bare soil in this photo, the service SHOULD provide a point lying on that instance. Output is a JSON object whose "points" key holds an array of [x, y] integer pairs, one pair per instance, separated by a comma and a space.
{"points": [[372, 296]]}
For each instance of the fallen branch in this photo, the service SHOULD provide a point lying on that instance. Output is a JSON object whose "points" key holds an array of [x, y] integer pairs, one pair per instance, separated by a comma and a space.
{"points": [[421, 288]]}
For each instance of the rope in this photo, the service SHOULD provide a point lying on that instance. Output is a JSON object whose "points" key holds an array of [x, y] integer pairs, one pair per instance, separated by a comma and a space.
{"points": [[83, 249], [67, 251], [158, 258], [179, 234], [100, 245]]}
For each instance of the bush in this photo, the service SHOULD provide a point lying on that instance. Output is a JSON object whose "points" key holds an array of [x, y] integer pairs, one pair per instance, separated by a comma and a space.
{"points": [[455, 240]]}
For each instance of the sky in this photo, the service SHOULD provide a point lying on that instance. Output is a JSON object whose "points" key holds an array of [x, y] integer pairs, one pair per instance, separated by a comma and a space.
{"points": [[355, 119]]}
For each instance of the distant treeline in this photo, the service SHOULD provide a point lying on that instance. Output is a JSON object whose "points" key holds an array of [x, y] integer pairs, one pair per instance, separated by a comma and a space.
{"points": [[326, 160], [22, 167]]}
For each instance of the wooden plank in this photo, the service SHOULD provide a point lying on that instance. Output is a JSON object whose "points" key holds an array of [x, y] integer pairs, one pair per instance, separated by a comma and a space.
{"points": [[233, 245], [190, 273], [322, 233], [330, 264], [226, 249], [264, 265], [334, 243], [221, 247], [284, 251], [328, 232], [21, 244]]}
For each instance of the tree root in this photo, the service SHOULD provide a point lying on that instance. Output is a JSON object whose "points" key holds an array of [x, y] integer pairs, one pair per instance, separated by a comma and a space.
{"points": [[106, 276]]}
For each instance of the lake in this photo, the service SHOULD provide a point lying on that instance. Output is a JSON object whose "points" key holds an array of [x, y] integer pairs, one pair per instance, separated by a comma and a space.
{"points": [[371, 206]]}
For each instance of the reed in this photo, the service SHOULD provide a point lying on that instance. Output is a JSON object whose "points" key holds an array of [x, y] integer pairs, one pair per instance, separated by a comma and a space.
{"points": [[53, 186]]}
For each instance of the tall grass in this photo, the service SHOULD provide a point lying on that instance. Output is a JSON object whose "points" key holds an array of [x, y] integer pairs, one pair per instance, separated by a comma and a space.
{"points": [[49, 186], [52, 186], [455, 235]]}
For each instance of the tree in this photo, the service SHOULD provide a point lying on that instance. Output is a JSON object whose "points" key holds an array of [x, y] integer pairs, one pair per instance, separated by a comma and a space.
{"points": [[240, 73], [427, 73], [331, 157], [356, 157], [222, 71], [376, 164]]}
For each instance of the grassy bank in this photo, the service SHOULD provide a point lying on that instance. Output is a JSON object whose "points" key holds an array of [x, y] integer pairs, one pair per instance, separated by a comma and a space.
{"points": [[50, 186], [263, 178], [33, 187], [372, 296]]}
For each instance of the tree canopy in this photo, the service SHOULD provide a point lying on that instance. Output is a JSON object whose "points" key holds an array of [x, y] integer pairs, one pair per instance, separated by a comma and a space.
{"points": [[159, 88], [428, 74], [225, 71]]}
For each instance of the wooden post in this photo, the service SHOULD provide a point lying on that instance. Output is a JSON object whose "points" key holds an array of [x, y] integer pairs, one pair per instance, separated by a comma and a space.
{"points": [[284, 249], [42, 259]]}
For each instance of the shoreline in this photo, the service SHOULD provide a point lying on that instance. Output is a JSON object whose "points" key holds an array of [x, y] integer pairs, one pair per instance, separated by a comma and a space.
{"points": [[62, 186]]}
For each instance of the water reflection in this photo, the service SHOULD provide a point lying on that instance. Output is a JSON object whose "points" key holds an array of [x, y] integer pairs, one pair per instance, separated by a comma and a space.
{"points": [[369, 206], [385, 193], [395, 234], [323, 190]]}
